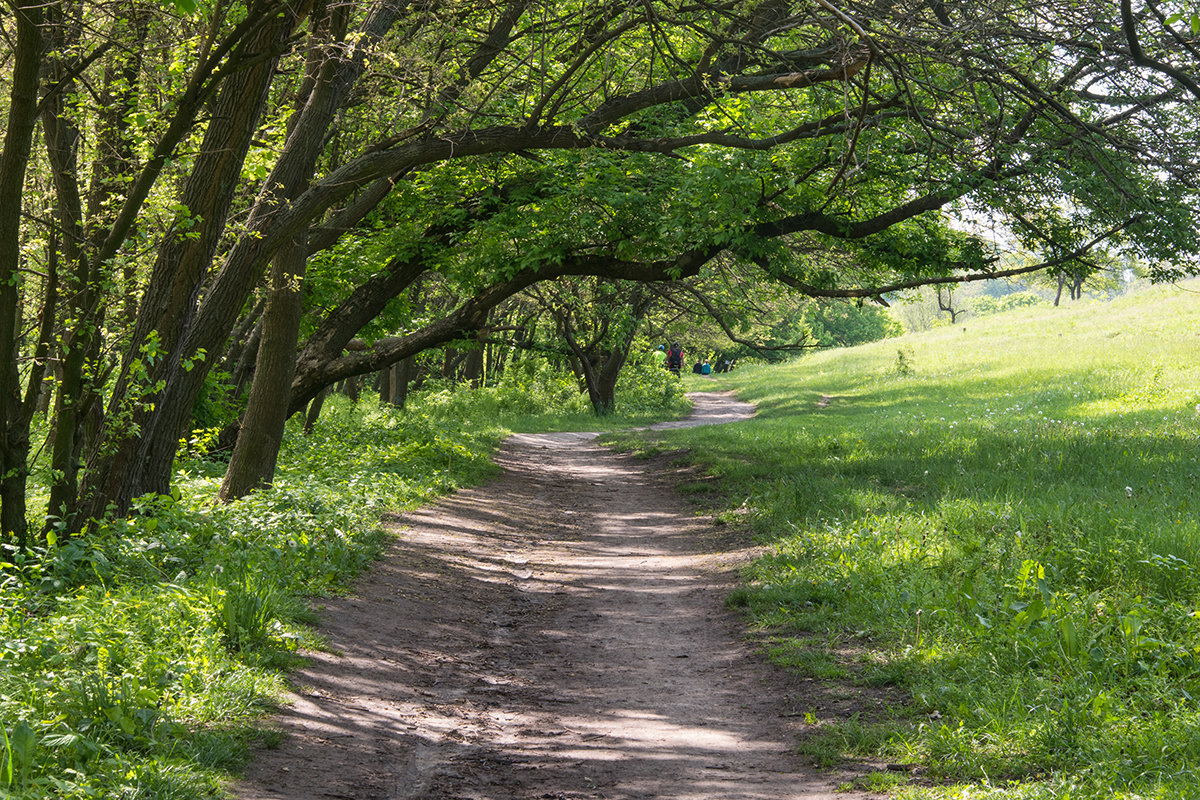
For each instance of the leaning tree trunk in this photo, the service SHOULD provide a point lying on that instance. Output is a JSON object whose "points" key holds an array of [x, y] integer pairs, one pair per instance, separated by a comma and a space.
{"points": [[268, 229], [136, 464], [252, 465], [314, 411]]}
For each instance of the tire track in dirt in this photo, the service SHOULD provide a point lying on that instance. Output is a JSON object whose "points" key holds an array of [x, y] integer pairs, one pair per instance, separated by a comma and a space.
{"points": [[557, 633]]}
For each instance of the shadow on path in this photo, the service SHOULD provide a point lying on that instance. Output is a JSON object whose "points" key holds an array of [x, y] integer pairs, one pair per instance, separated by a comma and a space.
{"points": [[556, 633]]}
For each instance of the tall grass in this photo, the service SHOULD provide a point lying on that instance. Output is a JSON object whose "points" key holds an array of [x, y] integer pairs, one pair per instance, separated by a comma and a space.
{"points": [[1001, 519], [137, 661]]}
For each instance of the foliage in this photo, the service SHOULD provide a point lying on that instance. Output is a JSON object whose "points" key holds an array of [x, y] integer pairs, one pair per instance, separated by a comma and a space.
{"points": [[645, 388], [532, 385], [445, 162], [847, 324], [1006, 531], [984, 305]]}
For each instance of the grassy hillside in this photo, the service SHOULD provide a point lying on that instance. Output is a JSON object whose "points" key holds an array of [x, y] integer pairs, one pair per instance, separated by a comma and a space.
{"points": [[999, 520]]}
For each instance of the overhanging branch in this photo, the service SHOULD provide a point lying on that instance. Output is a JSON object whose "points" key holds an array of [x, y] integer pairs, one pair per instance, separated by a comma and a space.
{"points": [[877, 292]]}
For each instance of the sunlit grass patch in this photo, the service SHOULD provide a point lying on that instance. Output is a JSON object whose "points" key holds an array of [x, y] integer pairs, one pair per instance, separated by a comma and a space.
{"points": [[1011, 520]]}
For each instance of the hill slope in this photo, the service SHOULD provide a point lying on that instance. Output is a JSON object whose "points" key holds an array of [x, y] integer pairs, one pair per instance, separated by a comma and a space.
{"points": [[1000, 520]]}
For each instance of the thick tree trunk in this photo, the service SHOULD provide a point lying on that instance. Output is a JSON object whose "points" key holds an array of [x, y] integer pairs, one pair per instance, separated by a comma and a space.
{"points": [[271, 225], [140, 459], [253, 463], [402, 374], [14, 161], [606, 379]]}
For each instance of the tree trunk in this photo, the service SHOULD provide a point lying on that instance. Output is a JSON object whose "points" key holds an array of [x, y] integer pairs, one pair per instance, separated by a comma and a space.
{"points": [[140, 459], [62, 139], [314, 411], [243, 371], [253, 462], [605, 399], [239, 339], [473, 366], [271, 226], [401, 376], [383, 385], [14, 161]]}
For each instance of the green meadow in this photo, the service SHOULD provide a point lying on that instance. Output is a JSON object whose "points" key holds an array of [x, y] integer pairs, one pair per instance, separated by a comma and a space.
{"points": [[994, 527]]}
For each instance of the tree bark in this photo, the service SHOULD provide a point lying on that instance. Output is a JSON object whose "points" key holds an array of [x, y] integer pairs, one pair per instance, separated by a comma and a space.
{"points": [[80, 281], [14, 161], [139, 461], [473, 366], [600, 365], [314, 411], [383, 385], [252, 465], [273, 224], [402, 374], [243, 371]]}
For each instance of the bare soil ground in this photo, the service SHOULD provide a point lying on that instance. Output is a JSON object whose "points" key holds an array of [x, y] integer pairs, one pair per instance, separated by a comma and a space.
{"points": [[557, 633]]}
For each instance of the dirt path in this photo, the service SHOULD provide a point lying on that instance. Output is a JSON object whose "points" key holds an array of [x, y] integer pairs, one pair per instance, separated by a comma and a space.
{"points": [[556, 633]]}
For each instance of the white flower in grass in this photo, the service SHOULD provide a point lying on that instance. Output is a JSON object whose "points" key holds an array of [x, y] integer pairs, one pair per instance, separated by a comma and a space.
{"points": [[1129, 491]]}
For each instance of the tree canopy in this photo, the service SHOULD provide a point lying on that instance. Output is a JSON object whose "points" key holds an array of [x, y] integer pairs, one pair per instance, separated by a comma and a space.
{"points": [[325, 190]]}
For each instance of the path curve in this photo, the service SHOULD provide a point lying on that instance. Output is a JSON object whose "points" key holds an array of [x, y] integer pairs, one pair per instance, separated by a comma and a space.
{"points": [[556, 633]]}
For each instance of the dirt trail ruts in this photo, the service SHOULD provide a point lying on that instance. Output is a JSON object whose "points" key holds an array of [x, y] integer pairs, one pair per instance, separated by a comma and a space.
{"points": [[556, 633]]}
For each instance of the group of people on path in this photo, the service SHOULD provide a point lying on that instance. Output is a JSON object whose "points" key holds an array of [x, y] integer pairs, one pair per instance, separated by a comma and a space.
{"points": [[672, 359]]}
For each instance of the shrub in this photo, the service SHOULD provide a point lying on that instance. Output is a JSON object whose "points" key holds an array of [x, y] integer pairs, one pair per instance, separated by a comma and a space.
{"points": [[984, 305]]}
